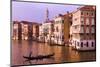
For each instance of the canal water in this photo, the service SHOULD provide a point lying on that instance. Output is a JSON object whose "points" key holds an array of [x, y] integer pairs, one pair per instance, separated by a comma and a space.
{"points": [[62, 54]]}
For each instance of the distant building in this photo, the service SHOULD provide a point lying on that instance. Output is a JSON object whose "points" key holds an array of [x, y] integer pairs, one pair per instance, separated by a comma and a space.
{"points": [[25, 30], [35, 30], [24, 26], [41, 37], [83, 28], [15, 30], [46, 31], [66, 30], [58, 29]]}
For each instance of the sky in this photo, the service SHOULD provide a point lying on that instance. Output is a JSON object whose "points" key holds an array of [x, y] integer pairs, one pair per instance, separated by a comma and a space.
{"points": [[36, 12]]}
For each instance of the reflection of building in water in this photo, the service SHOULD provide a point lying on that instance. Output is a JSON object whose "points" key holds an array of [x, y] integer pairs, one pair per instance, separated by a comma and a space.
{"points": [[83, 28], [76, 28], [25, 30], [58, 54]]}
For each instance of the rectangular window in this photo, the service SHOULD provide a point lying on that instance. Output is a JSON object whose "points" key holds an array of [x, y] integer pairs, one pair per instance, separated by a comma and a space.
{"points": [[63, 38], [87, 21], [92, 44], [62, 21], [77, 43], [87, 13], [81, 44], [57, 29], [92, 21], [82, 29], [75, 19], [75, 26], [81, 13], [82, 21], [93, 30], [87, 44], [87, 30]]}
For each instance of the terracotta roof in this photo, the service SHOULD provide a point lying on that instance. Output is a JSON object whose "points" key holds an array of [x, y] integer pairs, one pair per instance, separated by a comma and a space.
{"points": [[87, 7], [27, 22], [50, 21], [15, 22]]}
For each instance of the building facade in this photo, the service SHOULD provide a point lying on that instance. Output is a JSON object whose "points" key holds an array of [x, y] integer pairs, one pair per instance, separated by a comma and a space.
{"points": [[41, 37], [24, 26], [35, 31], [83, 28], [58, 30], [66, 30], [46, 31], [62, 28], [25, 30], [15, 30]]}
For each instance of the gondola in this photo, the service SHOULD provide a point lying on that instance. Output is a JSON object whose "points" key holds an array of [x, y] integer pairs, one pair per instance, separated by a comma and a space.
{"points": [[39, 57]]}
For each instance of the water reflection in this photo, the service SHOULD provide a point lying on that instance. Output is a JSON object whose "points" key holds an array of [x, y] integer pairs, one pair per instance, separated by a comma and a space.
{"points": [[61, 53]]}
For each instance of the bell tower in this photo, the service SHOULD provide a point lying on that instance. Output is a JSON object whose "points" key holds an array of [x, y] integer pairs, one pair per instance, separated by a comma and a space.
{"points": [[47, 15]]}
